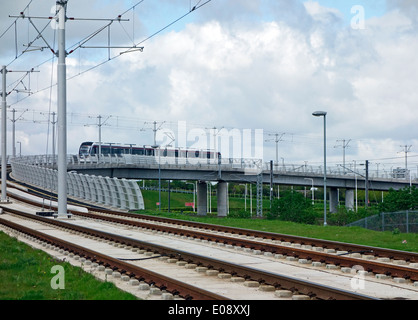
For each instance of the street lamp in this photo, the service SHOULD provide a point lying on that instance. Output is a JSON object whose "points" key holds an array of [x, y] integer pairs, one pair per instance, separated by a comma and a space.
{"points": [[324, 114], [312, 189]]}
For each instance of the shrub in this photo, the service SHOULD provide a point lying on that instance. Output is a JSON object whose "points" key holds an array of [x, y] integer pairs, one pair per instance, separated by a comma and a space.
{"points": [[403, 199], [292, 206]]}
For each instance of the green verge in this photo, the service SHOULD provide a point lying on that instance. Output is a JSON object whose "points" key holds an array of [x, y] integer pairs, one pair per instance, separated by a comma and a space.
{"points": [[25, 274], [357, 235]]}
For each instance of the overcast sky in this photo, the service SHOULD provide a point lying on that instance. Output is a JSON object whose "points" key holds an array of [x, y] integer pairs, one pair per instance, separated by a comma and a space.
{"points": [[240, 65]]}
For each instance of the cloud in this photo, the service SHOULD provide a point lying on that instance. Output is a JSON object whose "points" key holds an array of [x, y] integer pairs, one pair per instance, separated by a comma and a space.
{"points": [[247, 65]]}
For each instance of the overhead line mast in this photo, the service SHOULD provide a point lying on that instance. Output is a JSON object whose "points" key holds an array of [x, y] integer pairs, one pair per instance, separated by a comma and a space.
{"points": [[61, 18], [62, 110], [4, 95]]}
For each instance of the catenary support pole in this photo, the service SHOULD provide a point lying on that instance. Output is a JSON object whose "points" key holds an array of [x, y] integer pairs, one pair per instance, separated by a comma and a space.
{"points": [[3, 138], [62, 111]]}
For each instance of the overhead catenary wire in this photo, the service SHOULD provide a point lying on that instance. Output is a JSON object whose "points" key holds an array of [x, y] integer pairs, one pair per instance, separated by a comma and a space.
{"points": [[13, 23], [131, 49], [134, 47]]}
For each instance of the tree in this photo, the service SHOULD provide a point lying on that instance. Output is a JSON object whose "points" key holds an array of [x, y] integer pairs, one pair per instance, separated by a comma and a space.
{"points": [[403, 199], [292, 206]]}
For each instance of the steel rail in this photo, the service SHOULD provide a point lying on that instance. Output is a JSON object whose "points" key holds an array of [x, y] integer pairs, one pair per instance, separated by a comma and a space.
{"points": [[174, 286], [339, 260], [279, 281], [338, 246]]}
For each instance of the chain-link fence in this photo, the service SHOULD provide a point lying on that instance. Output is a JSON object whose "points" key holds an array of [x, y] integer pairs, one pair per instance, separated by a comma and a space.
{"points": [[404, 221]]}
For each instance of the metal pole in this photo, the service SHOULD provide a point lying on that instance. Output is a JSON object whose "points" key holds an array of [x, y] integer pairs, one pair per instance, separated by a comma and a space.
{"points": [[271, 183], [3, 138], [62, 111], [324, 114], [14, 133], [100, 138], [53, 138], [367, 185], [159, 179], [169, 197], [245, 198]]}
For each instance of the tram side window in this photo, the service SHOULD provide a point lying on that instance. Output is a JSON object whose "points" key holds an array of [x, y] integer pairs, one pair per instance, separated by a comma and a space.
{"points": [[149, 152], [117, 151], [138, 151]]}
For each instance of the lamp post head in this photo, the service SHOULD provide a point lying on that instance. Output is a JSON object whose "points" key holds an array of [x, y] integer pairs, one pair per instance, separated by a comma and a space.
{"points": [[319, 113]]}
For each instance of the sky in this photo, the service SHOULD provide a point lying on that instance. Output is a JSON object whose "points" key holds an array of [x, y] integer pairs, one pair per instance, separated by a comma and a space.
{"points": [[251, 69]]}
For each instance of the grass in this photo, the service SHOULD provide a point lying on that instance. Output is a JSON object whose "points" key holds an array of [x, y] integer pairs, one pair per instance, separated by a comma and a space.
{"points": [[355, 235], [25, 274], [178, 200]]}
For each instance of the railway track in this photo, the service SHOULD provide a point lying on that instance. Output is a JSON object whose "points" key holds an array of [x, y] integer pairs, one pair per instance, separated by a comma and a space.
{"points": [[261, 243], [171, 285], [375, 259]]}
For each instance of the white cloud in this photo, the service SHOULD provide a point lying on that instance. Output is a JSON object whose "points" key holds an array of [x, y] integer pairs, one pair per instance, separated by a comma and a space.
{"points": [[268, 65]]}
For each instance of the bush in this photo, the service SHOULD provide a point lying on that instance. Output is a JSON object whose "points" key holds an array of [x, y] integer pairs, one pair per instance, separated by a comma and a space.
{"points": [[403, 199], [344, 216], [239, 213], [292, 206]]}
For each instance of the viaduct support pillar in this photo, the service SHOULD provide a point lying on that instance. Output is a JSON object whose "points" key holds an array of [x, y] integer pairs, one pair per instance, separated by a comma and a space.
{"points": [[349, 199], [202, 202], [333, 200], [222, 199]]}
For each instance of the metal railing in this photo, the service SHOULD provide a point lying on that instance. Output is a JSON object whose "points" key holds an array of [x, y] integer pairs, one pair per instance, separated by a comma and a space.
{"points": [[252, 166], [119, 193]]}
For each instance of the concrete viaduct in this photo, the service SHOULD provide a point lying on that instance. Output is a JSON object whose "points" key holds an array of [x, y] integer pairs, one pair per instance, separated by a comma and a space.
{"points": [[256, 173]]}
